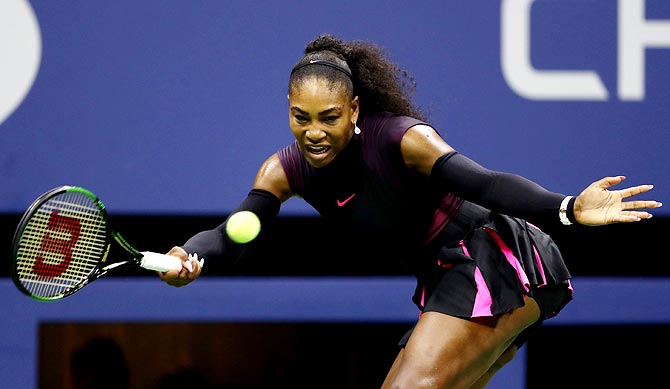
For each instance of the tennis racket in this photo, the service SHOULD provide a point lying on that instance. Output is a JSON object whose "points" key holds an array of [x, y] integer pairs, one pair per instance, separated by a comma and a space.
{"points": [[62, 244]]}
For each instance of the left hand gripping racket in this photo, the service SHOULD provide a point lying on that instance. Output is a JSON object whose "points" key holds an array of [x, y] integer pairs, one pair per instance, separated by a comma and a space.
{"points": [[62, 244]]}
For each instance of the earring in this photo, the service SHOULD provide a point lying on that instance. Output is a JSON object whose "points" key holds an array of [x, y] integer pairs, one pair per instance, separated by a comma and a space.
{"points": [[356, 129]]}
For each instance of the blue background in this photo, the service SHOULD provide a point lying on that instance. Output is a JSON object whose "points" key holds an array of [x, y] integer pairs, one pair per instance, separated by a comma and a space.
{"points": [[169, 107]]}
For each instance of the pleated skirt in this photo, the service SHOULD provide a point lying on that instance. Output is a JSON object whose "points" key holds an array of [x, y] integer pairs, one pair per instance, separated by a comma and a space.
{"points": [[484, 264]]}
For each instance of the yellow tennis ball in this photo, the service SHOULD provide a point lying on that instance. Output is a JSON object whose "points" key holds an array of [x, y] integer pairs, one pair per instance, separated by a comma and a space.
{"points": [[243, 227]]}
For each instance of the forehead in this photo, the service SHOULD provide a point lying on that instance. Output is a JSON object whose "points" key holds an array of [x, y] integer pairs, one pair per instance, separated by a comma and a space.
{"points": [[318, 88]]}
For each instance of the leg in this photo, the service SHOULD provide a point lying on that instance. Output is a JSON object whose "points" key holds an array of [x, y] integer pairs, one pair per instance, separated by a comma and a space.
{"points": [[502, 360], [449, 352]]}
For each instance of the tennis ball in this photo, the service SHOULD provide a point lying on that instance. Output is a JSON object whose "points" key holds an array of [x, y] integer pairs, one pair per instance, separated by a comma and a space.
{"points": [[243, 227]]}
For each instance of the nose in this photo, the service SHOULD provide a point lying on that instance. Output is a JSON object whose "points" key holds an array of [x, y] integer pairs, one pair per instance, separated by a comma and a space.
{"points": [[314, 135]]}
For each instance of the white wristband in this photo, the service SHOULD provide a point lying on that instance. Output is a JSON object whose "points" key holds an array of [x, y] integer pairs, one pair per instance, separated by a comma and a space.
{"points": [[563, 211]]}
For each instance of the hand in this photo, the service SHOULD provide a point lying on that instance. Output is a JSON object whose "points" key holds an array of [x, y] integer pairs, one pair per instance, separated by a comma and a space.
{"points": [[190, 269], [597, 205]]}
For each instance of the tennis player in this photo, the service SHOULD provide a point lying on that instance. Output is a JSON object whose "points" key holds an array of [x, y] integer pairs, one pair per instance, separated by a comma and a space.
{"points": [[369, 162]]}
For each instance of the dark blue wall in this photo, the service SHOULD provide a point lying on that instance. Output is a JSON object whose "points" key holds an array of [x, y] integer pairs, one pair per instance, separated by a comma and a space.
{"points": [[170, 107]]}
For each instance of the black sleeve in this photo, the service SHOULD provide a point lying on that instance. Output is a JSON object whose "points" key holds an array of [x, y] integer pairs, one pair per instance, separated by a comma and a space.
{"points": [[214, 244], [506, 193]]}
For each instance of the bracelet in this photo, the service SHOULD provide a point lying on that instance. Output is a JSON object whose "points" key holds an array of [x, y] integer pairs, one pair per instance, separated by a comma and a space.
{"points": [[563, 211]]}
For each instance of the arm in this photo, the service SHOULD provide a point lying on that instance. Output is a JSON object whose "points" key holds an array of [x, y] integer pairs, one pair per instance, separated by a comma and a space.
{"points": [[269, 191], [501, 192], [512, 194], [425, 151]]}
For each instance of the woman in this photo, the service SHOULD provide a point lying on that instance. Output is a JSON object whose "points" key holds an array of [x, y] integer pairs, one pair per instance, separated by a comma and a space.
{"points": [[367, 160]]}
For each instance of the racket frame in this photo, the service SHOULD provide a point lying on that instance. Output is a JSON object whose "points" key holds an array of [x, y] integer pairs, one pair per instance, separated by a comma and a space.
{"points": [[100, 268]]}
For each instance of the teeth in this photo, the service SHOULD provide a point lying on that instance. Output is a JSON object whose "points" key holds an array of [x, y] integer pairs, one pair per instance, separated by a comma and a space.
{"points": [[317, 149]]}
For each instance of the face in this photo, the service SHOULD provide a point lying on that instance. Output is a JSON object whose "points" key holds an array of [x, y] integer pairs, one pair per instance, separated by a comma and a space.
{"points": [[322, 118]]}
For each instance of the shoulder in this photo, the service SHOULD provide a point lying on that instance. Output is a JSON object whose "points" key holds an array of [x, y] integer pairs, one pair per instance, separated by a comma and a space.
{"points": [[421, 146], [271, 176], [387, 126], [381, 133]]}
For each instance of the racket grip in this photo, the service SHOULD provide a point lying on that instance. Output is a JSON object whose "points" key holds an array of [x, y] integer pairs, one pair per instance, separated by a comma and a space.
{"points": [[159, 262]]}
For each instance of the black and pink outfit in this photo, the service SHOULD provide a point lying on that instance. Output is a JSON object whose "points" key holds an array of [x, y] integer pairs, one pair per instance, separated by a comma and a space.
{"points": [[462, 231]]}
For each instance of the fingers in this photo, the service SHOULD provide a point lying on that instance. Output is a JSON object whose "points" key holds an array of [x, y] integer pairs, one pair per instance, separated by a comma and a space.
{"points": [[635, 190], [608, 182], [631, 216], [191, 269], [641, 204], [193, 264]]}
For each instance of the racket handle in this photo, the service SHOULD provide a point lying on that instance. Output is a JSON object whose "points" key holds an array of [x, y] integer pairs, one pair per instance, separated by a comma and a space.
{"points": [[159, 262]]}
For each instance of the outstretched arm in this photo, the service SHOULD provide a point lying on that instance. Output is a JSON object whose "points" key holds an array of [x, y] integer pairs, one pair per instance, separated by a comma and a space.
{"points": [[425, 151], [270, 190]]}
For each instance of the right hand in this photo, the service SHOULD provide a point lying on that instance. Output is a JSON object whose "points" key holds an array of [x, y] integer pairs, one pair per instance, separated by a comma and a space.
{"points": [[190, 269]]}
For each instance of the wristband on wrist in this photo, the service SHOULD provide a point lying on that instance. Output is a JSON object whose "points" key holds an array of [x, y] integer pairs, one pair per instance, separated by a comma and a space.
{"points": [[566, 213]]}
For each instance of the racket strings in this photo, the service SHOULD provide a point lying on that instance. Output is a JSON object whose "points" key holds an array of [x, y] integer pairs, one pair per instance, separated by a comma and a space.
{"points": [[61, 244]]}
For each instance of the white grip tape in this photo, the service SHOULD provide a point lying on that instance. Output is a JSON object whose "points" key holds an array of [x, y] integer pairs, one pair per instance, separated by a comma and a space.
{"points": [[159, 262]]}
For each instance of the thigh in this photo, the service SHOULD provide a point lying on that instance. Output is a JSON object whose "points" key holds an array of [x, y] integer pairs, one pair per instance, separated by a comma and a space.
{"points": [[446, 351]]}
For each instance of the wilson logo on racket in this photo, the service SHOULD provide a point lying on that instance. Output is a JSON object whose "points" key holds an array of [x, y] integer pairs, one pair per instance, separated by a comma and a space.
{"points": [[60, 225]]}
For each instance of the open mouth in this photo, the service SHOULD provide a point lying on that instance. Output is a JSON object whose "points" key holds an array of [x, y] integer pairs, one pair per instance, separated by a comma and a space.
{"points": [[317, 149]]}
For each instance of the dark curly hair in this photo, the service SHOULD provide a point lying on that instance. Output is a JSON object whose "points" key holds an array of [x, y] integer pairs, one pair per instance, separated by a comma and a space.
{"points": [[379, 83]]}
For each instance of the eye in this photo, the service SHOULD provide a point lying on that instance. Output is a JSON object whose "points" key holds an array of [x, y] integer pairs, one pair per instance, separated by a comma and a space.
{"points": [[300, 118], [330, 119]]}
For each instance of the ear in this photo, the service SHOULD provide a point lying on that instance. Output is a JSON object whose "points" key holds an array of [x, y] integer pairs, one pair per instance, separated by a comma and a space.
{"points": [[355, 105]]}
